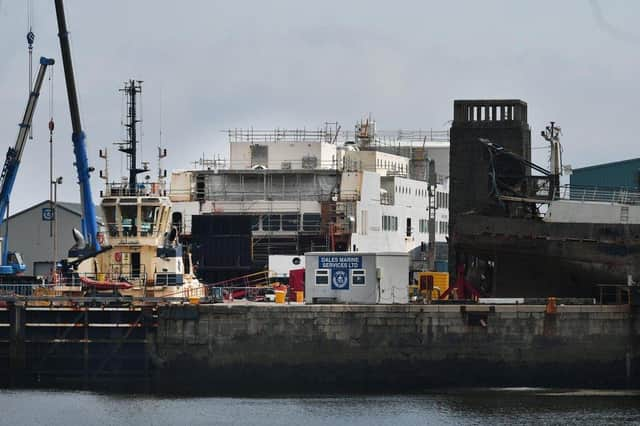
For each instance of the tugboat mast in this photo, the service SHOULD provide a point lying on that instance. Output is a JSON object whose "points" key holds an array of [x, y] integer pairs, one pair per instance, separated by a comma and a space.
{"points": [[131, 89]]}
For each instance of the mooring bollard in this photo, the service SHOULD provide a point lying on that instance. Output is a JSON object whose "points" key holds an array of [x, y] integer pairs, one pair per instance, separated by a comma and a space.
{"points": [[552, 307]]}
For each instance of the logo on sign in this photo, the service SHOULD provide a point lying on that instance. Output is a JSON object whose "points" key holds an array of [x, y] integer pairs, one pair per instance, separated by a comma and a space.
{"points": [[47, 213], [340, 279]]}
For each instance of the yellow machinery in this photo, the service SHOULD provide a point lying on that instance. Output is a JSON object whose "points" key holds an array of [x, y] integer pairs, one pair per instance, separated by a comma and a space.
{"points": [[430, 285]]}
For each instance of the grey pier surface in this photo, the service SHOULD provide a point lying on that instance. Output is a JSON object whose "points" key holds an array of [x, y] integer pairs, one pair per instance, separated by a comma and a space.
{"points": [[224, 348]]}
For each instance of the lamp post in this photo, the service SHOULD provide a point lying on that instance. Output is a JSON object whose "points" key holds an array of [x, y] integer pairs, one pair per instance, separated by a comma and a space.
{"points": [[55, 183]]}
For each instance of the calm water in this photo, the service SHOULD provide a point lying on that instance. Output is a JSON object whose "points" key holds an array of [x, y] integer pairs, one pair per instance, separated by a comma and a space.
{"points": [[459, 407]]}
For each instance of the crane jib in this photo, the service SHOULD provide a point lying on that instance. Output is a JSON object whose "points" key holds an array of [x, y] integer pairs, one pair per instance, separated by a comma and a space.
{"points": [[90, 227], [14, 154]]}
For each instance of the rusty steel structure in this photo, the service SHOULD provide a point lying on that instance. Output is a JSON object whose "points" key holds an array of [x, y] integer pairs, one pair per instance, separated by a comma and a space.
{"points": [[499, 237]]}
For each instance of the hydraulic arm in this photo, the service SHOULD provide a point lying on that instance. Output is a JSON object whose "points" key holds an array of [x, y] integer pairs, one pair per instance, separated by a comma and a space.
{"points": [[89, 225], [12, 161]]}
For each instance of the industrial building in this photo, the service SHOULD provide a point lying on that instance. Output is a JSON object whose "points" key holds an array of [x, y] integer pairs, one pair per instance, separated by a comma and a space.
{"points": [[41, 233], [617, 174]]}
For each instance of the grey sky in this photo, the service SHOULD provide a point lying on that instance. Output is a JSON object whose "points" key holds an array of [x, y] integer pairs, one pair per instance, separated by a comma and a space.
{"points": [[267, 64]]}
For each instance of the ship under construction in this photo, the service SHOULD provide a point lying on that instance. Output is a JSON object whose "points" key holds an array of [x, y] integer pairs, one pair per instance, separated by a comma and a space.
{"points": [[282, 193]]}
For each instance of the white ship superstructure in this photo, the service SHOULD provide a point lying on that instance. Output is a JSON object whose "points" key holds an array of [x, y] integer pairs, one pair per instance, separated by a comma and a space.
{"points": [[293, 191]]}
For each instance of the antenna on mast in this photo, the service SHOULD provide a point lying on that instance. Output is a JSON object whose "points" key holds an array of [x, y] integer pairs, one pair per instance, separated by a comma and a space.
{"points": [[131, 90], [162, 153], [551, 134], [162, 173]]}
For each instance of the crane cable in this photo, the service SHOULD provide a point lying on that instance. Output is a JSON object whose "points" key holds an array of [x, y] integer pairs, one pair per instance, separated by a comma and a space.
{"points": [[51, 104], [30, 39], [52, 204], [51, 122]]}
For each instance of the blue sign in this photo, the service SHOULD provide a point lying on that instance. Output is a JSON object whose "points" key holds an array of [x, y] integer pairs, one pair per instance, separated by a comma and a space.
{"points": [[48, 214], [339, 279], [340, 267]]}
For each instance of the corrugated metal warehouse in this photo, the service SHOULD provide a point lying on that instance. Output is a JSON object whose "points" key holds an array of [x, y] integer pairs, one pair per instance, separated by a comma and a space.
{"points": [[31, 234], [618, 174]]}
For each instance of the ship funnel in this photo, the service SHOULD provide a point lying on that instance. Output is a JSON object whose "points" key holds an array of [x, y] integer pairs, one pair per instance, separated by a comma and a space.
{"points": [[79, 239]]}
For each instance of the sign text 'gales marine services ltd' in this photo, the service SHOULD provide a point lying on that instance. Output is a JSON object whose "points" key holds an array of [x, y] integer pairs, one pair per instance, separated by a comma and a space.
{"points": [[340, 267]]}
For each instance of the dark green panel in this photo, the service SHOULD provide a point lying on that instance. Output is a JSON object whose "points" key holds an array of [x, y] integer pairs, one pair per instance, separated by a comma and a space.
{"points": [[621, 174]]}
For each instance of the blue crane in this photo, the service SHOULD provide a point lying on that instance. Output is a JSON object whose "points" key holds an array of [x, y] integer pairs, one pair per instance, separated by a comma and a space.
{"points": [[90, 245], [10, 169]]}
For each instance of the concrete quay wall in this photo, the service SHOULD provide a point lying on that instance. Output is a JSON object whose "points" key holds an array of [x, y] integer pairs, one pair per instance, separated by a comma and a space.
{"points": [[312, 347]]}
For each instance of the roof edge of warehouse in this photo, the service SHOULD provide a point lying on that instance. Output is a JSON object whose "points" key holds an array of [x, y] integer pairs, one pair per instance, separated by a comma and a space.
{"points": [[612, 163], [68, 206]]}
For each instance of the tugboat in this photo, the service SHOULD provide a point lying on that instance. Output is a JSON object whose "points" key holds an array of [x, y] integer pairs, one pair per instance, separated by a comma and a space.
{"points": [[141, 255]]}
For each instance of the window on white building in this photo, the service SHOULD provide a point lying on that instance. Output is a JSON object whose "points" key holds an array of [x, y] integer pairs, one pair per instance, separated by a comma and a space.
{"points": [[322, 277], [358, 277], [364, 219], [389, 223]]}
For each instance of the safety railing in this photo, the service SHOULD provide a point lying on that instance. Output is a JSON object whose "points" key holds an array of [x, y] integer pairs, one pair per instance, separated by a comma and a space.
{"points": [[333, 135], [249, 293], [255, 279], [22, 289], [259, 293], [418, 136], [187, 292], [113, 279], [220, 288], [121, 189], [283, 195], [254, 136], [598, 194], [311, 163], [615, 294], [103, 288]]}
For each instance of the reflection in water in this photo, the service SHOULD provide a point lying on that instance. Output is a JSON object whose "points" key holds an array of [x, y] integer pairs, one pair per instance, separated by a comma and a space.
{"points": [[447, 407]]}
